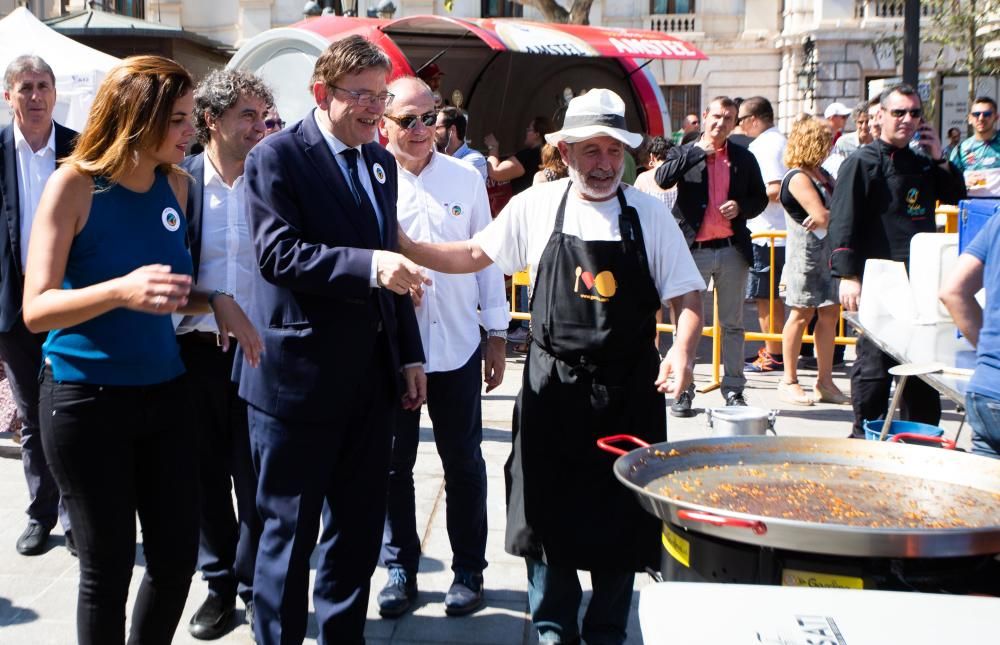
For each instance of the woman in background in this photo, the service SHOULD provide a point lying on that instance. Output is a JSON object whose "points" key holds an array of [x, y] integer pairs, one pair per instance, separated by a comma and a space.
{"points": [[520, 168], [107, 265], [805, 195], [552, 167], [646, 182]]}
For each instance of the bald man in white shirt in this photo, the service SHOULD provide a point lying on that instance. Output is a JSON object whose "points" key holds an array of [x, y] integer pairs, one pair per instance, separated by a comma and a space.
{"points": [[442, 199]]}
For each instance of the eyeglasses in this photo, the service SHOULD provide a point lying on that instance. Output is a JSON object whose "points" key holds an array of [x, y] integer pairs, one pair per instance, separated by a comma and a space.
{"points": [[742, 118], [409, 121], [985, 114], [367, 99], [271, 124], [916, 113]]}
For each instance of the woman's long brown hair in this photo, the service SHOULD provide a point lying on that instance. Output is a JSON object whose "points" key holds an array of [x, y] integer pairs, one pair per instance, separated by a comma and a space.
{"points": [[131, 113]]}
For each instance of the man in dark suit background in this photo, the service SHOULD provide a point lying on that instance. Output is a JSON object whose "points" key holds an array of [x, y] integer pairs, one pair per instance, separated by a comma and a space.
{"points": [[30, 149], [341, 348], [719, 187], [230, 108]]}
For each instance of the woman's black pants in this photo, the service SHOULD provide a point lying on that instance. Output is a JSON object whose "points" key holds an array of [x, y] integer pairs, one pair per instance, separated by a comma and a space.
{"points": [[118, 451]]}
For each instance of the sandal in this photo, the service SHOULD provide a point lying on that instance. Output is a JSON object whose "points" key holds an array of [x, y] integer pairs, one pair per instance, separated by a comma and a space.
{"points": [[793, 393], [830, 396]]}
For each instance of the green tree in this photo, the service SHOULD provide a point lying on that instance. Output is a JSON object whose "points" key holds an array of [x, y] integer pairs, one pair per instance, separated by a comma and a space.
{"points": [[965, 27]]}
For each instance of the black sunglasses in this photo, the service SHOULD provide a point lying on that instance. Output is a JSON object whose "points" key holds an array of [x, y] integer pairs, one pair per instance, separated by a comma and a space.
{"points": [[409, 121], [273, 123], [985, 114], [916, 113]]}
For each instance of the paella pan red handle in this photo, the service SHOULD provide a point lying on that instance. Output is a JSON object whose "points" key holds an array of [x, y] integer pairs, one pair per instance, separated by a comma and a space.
{"points": [[947, 444], [718, 520], [605, 443]]}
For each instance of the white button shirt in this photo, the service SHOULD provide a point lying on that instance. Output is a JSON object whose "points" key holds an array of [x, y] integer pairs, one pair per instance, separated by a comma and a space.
{"points": [[227, 257], [447, 202], [336, 147], [33, 170]]}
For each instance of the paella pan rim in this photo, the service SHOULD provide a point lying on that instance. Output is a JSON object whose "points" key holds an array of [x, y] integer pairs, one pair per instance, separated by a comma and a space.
{"points": [[639, 467]]}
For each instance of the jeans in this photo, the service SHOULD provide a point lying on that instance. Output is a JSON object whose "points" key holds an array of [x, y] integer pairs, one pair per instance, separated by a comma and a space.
{"points": [[984, 416], [728, 269], [116, 451], [554, 597], [454, 405]]}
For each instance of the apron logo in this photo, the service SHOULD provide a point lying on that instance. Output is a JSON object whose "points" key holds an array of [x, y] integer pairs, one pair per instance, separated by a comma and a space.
{"points": [[913, 206], [379, 173], [604, 283], [171, 219], [456, 210]]}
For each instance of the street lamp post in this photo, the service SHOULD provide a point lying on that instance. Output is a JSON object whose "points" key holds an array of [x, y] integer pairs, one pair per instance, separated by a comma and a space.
{"points": [[911, 42]]}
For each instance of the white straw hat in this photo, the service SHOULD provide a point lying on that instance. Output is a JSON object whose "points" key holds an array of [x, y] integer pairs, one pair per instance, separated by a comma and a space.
{"points": [[599, 112]]}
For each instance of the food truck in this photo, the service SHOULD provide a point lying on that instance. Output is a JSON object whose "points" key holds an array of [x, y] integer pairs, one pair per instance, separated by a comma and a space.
{"points": [[503, 72]]}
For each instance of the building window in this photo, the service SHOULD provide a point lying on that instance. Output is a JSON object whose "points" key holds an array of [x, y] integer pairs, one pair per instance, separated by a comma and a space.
{"points": [[131, 8], [501, 9], [670, 6], [682, 100]]}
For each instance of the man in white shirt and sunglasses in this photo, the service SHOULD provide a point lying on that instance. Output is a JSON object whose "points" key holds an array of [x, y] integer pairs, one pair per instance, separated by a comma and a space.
{"points": [[442, 199]]}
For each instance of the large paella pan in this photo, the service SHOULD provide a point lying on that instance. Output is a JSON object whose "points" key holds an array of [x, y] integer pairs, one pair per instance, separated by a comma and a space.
{"points": [[829, 496]]}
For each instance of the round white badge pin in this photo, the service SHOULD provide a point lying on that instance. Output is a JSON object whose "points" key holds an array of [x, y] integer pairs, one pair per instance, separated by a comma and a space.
{"points": [[379, 173], [171, 219]]}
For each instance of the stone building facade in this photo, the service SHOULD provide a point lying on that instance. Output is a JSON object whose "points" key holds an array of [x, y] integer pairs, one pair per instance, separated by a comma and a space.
{"points": [[801, 54]]}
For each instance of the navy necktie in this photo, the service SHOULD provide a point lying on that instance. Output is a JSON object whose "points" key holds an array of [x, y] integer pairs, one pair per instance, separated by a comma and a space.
{"points": [[359, 192]]}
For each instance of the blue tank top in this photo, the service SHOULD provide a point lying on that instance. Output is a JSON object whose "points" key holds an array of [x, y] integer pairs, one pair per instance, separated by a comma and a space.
{"points": [[125, 230]]}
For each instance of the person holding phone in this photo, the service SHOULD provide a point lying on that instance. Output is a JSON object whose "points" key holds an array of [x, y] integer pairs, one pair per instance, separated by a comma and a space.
{"points": [[886, 193]]}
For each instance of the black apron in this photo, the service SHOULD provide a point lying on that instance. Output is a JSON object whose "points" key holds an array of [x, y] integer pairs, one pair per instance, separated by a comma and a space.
{"points": [[589, 373]]}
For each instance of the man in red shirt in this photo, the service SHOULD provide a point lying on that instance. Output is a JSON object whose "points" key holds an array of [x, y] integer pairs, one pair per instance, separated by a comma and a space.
{"points": [[719, 187]]}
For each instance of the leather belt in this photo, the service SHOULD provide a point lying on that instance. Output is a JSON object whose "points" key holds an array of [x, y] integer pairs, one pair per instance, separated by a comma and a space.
{"points": [[714, 244], [203, 338]]}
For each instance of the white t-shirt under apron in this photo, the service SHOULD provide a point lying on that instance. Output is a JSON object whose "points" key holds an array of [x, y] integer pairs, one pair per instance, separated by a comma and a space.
{"points": [[516, 238]]}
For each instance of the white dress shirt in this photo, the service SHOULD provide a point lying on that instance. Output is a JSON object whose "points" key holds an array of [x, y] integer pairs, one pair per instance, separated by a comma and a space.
{"points": [[227, 257], [447, 202], [33, 170], [336, 147]]}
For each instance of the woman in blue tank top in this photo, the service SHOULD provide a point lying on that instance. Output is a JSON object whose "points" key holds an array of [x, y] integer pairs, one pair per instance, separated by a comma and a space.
{"points": [[107, 265]]}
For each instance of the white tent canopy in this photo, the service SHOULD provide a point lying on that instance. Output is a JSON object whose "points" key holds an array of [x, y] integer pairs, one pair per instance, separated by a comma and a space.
{"points": [[79, 69]]}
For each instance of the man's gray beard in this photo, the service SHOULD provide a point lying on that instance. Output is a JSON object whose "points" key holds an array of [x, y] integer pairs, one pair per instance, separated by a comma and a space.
{"points": [[586, 189]]}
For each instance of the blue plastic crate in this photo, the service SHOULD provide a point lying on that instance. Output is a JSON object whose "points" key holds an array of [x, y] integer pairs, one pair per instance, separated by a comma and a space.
{"points": [[972, 217]]}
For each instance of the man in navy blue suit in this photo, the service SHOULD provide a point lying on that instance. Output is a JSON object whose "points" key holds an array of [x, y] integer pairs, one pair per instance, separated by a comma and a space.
{"points": [[341, 348], [30, 150]]}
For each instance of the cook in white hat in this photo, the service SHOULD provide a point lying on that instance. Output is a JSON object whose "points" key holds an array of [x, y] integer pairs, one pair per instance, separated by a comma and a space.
{"points": [[604, 258], [598, 115]]}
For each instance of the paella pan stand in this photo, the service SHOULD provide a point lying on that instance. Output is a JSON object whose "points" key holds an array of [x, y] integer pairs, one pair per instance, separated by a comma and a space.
{"points": [[704, 543]]}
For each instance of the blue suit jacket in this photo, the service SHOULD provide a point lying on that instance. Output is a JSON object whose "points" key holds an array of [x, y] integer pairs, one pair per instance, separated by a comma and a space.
{"points": [[314, 307], [194, 165], [11, 271]]}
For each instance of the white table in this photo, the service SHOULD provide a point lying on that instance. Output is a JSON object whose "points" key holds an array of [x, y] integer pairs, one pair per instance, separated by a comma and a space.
{"points": [[694, 613], [910, 343]]}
